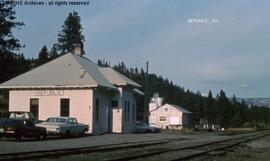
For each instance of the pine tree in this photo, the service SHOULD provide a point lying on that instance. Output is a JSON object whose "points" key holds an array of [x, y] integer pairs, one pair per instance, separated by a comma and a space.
{"points": [[7, 18], [54, 52], [224, 113], [210, 111], [237, 119], [71, 34], [8, 43], [43, 56]]}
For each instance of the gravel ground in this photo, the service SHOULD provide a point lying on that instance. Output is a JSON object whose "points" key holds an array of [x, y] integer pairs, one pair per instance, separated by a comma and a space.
{"points": [[257, 150]]}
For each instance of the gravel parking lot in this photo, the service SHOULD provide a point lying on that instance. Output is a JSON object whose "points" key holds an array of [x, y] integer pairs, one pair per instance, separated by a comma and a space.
{"points": [[14, 146]]}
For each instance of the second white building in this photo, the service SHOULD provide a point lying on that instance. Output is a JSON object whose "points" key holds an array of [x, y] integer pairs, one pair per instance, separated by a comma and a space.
{"points": [[168, 116]]}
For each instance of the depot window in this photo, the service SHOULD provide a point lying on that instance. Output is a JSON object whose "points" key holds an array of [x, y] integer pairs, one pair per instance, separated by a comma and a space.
{"points": [[64, 107], [34, 107]]}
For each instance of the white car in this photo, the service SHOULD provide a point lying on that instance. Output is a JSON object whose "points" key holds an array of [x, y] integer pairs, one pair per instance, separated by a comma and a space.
{"points": [[63, 126]]}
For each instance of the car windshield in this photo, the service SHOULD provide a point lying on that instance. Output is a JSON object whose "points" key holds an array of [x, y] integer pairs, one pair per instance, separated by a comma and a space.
{"points": [[25, 115], [72, 121], [59, 120], [19, 115]]}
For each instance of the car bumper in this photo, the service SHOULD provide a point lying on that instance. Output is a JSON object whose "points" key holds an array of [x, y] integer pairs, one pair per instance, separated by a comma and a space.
{"points": [[8, 134], [53, 132]]}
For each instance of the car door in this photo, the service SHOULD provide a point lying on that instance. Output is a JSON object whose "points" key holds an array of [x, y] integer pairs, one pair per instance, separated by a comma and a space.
{"points": [[77, 127], [71, 126], [30, 129]]}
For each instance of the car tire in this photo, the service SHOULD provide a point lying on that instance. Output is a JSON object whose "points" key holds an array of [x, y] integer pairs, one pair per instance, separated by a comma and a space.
{"points": [[85, 131], [42, 137], [19, 137]]}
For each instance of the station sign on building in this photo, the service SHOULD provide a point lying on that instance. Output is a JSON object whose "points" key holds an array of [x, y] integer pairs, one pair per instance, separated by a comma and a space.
{"points": [[74, 86]]}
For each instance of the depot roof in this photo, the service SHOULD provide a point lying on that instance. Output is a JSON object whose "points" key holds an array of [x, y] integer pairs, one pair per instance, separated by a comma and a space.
{"points": [[68, 71]]}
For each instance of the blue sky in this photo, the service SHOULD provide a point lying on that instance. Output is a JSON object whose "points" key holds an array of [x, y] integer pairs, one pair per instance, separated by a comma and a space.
{"points": [[232, 54]]}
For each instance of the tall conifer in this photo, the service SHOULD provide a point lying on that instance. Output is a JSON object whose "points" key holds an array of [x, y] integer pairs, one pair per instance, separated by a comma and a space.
{"points": [[71, 34]]}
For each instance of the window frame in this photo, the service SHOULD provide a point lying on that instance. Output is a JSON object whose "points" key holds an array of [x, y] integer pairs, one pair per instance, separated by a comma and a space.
{"points": [[64, 107], [164, 118], [33, 106]]}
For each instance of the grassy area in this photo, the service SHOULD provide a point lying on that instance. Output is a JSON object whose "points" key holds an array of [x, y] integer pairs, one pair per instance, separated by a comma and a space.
{"points": [[257, 150], [228, 132], [241, 154]]}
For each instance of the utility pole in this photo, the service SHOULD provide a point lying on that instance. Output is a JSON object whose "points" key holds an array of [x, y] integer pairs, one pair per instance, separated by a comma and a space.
{"points": [[145, 112]]}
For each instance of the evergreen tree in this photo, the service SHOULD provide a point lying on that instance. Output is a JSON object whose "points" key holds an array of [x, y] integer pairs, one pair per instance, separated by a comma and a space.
{"points": [[136, 70], [8, 43], [210, 110], [54, 52], [43, 56], [99, 63], [7, 18], [224, 113], [71, 34], [236, 120], [103, 63]]}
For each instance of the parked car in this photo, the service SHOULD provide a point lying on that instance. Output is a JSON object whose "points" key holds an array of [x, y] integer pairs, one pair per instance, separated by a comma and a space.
{"points": [[20, 128], [142, 127], [63, 126]]}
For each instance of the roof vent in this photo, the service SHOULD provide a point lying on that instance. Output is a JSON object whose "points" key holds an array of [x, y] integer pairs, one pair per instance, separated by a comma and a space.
{"points": [[83, 71]]}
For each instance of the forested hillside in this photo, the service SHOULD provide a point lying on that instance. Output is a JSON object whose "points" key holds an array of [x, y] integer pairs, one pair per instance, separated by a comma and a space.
{"points": [[217, 109]]}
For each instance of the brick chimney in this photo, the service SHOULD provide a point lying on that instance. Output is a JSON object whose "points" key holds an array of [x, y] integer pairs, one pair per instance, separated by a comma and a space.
{"points": [[78, 49]]}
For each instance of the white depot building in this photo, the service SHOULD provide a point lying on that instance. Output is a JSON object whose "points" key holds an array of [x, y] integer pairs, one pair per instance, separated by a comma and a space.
{"points": [[167, 116], [74, 86]]}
